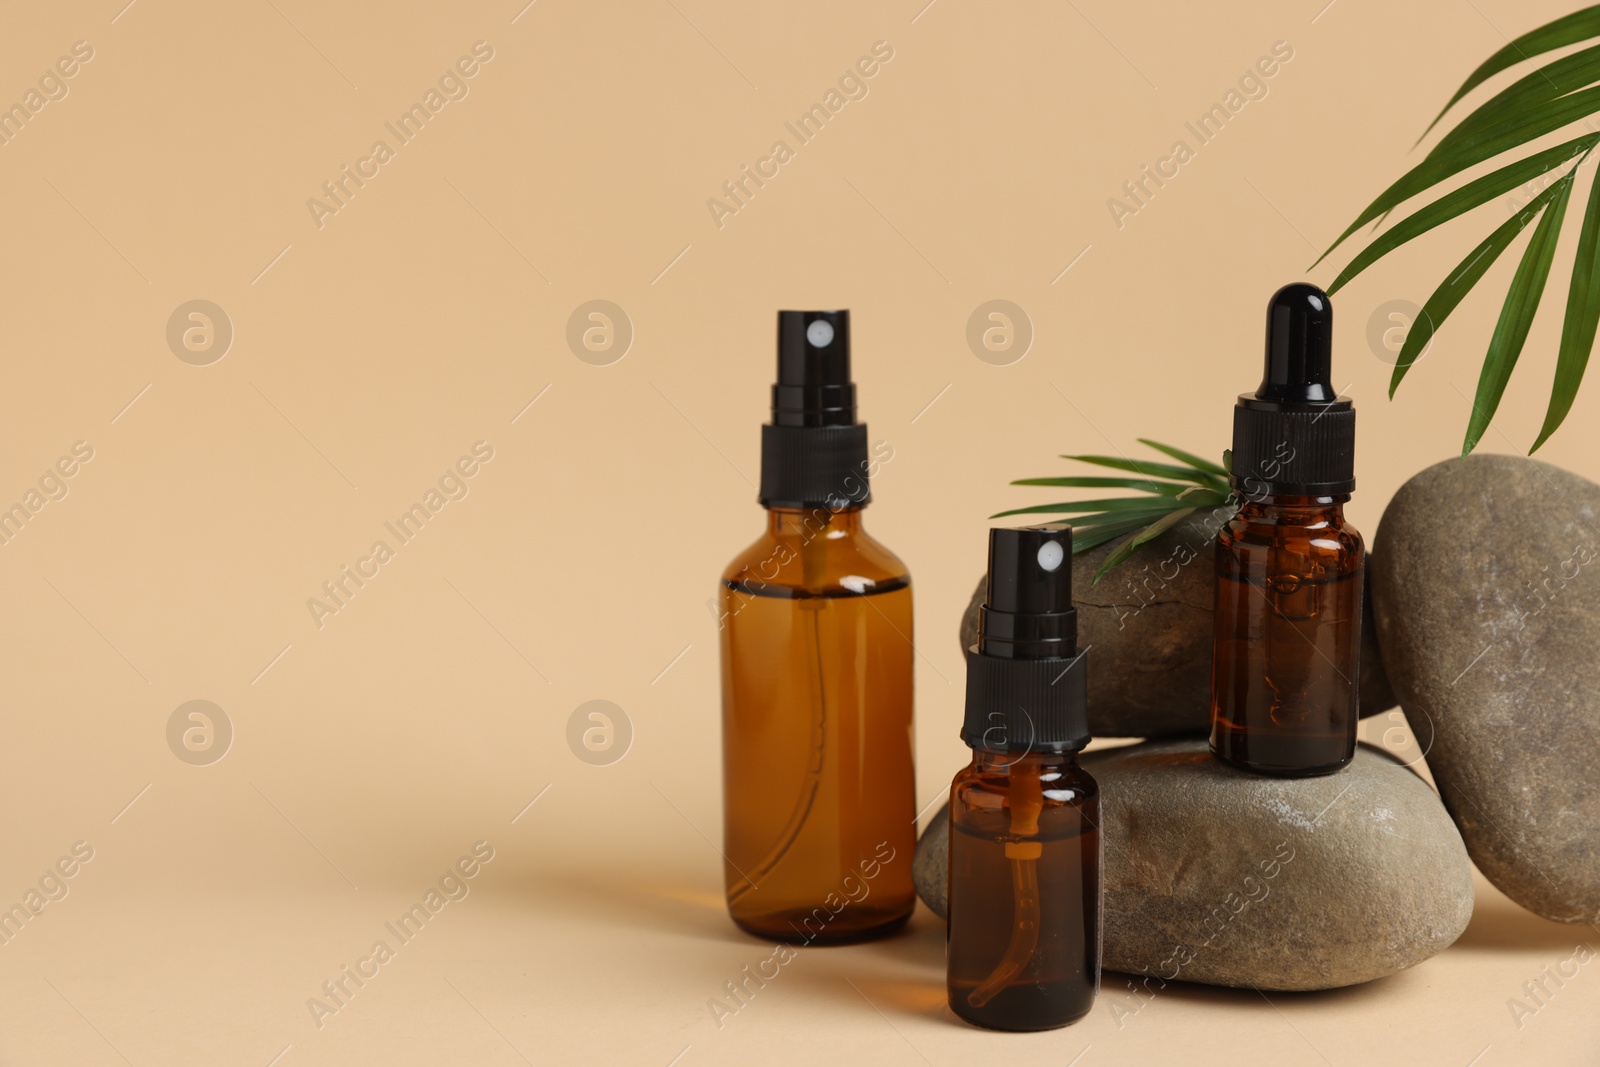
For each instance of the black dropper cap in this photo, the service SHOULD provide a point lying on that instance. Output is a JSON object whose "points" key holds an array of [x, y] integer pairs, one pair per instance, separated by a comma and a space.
{"points": [[814, 453], [1027, 684], [1295, 436]]}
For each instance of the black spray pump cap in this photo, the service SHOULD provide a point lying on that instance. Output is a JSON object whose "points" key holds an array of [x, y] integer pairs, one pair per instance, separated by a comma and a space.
{"points": [[1295, 436], [1027, 685], [814, 452], [814, 386], [1027, 609]]}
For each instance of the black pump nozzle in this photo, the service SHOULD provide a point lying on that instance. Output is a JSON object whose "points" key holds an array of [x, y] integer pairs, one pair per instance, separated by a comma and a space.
{"points": [[1299, 347], [1295, 436], [814, 452], [1027, 611], [814, 386], [1027, 684]]}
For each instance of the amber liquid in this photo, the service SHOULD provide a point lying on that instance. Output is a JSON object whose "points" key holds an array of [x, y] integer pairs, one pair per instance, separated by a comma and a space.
{"points": [[1287, 640], [819, 801], [1024, 920]]}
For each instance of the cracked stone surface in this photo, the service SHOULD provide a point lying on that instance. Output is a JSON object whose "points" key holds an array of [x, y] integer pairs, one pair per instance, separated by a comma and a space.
{"points": [[1148, 627], [1487, 600], [1225, 878]]}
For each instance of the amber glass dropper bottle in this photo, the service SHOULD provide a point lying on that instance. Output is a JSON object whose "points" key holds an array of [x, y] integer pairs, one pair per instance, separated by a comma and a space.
{"points": [[1288, 605], [1023, 931], [819, 805]]}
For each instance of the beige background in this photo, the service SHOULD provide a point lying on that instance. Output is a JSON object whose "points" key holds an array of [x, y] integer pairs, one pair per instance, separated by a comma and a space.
{"points": [[431, 310]]}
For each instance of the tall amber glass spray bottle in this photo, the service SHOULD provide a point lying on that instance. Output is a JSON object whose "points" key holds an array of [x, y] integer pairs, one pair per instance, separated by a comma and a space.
{"points": [[818, 796], [1023, 949], [1288, 604]]}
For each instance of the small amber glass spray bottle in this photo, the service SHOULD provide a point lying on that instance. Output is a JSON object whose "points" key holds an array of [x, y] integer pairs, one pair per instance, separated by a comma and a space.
{"points": [[818, 798], [1288, 601], [1023, 933]]}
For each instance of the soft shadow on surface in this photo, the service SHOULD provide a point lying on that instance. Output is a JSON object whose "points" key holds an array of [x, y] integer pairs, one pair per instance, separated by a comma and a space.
{"points": [[662, 905], [1114, 985], [919, 950], [919, 943], [1501, 925], [903, 975], [898, 975], [675, 906]]}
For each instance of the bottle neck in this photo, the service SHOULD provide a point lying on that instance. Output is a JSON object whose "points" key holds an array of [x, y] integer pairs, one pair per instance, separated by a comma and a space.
{"points": [[1329, 508], [1005, 763], [820, 521]]}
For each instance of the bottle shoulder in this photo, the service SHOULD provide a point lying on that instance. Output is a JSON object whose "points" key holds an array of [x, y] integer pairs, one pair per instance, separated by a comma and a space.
{"points": [[981, 787], [817, 559], [881, 554], [1319, 532]]}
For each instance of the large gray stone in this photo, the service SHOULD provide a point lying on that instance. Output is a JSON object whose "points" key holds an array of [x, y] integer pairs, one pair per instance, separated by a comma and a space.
{"points": [[1487, 597], [1148, 625], [1217, 876]]}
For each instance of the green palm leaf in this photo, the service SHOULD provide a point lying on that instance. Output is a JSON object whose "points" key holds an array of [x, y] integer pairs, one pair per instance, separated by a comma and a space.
{"points": [[1095, 536], [1516, 315], [1149, 507], [1525, 96], [1122, 503], [1196, 483], [1435, 169], [1158, 470], [1578, 26], [1498, 132], [1461, 280], [1124, 551], [1143, 484], [1186, 457], [1120, 518], [1542, 100], [1462, 200], [1583, 314]]}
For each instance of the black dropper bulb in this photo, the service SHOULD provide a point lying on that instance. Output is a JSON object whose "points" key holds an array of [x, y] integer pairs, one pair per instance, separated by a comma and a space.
{"points": [[814, 386], [1027, 684], [1299, 347], [1295, 436]]}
